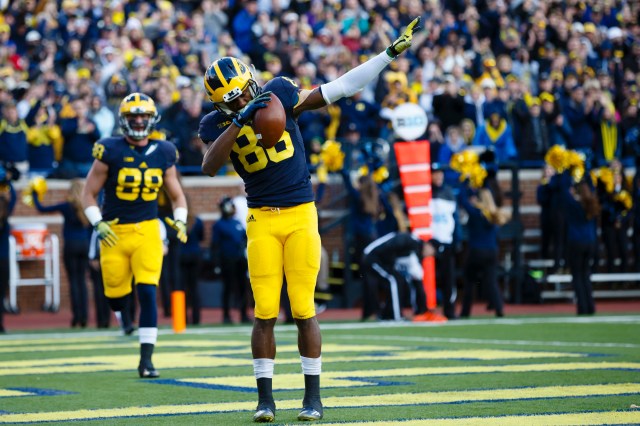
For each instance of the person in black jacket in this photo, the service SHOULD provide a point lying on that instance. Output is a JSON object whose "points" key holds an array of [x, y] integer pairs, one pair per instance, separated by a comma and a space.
{"points": [[228, 252], [76, 233], [380, 273], [582, 209]]}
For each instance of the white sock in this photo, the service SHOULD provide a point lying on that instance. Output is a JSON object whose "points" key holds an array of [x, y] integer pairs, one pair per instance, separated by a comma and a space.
{"points": [[263, 368], [148, 335], [311, 366]]}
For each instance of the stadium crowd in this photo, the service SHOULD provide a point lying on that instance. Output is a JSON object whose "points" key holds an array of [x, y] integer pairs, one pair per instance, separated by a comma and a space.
{"points": [[517, 77]]}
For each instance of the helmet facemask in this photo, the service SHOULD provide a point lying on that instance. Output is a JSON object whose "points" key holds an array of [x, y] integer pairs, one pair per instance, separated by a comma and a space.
{"points": [[135, 131], [234, 94], [133, 107]]}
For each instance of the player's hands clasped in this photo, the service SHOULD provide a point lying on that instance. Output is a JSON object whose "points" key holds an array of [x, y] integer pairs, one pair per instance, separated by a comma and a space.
{"points": [[404, 41], [105, 233], [179, 226], [246, 114]]}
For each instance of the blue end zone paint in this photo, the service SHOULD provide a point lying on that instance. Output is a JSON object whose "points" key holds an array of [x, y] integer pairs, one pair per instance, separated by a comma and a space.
{"points": [[39, 392], [173, 382]]}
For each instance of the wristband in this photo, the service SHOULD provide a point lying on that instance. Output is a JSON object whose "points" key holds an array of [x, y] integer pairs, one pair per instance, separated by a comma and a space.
{"points": [[180, 214], [93, 215]]}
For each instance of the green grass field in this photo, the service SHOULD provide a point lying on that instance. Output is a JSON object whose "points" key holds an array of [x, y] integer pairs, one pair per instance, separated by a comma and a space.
{"points": [[526, 371]]}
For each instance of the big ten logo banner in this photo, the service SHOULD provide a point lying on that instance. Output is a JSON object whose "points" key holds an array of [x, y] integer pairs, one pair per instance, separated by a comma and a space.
{"points": [[409, 121]]}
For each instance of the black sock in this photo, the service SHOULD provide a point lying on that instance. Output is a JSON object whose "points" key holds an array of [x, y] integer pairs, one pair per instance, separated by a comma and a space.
{"points": [[146, 351], [312, 391], [265, 394]]}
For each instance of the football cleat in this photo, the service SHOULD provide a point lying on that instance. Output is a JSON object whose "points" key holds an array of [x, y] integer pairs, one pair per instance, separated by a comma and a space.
{"points": [[148, 372], [309, 414], [264, 414]]}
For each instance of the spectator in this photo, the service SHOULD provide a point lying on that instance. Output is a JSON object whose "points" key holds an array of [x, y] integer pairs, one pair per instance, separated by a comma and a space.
{"points": [[544, 196], [449, 106], [7, 205], [44, 138], [13, 138], [102, 116], [582, 210], [228, 252], [578, 111], [80, 133], [608, 136], [485, 217], [444, 213], [190, 260], [103, 311], [496, 135], [616, 203], [76, 234]]}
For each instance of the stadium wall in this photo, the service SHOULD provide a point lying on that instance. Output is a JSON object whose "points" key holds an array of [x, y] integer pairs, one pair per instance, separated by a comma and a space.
{"points": [[204, 194]]}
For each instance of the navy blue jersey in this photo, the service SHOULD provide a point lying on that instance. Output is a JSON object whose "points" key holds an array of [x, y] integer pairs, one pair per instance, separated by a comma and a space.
{"points": [[135, 177], [274, 177]]}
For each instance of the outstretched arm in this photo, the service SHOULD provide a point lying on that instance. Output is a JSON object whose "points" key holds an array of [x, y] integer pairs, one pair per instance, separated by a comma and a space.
{"points": [[356, 79]]}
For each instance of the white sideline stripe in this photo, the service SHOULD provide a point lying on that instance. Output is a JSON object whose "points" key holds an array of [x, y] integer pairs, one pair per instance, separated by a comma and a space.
{"points": [[238, 330], [352, 338], [409, 168]]}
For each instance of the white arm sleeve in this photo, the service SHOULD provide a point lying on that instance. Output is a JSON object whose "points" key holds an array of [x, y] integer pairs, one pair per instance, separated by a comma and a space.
{"points": [[355, 80]]}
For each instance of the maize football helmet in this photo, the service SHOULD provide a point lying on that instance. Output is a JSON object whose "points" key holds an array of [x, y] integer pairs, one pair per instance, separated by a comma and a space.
{"points": [[133, 105], [226, 79]]}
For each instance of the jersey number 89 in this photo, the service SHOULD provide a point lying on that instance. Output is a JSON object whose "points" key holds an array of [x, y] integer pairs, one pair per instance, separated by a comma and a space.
{"points": [[255, 157], [134, 183]]}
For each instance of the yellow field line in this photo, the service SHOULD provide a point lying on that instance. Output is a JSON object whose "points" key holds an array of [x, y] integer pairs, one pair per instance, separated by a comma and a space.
{"points": [[399, 399]]}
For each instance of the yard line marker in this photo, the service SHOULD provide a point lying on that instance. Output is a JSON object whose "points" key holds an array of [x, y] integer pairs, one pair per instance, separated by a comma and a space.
{"points": [[466, 340], [357, 377], [204, 359], [400, 399]]}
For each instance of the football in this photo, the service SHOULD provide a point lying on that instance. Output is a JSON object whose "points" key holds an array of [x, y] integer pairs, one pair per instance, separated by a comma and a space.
{"points": [[268, 123]]}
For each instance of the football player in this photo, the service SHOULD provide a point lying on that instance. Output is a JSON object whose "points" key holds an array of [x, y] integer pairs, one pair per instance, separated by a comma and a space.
{"points": [[282, 221], [132, 168]]}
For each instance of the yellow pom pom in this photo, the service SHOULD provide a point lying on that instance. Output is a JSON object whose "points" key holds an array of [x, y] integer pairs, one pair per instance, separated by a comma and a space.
{"points": [[39, 185], [556, 158], [380, 174], [363, 170], [332, 156], [477, 175], [625, 198]]}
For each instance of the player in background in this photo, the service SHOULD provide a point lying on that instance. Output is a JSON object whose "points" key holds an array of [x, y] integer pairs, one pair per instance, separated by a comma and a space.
{"points": [[131, 169], [282, 221]]}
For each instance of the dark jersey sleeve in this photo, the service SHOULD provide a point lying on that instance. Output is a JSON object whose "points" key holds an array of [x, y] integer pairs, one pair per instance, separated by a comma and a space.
{"points": [[170, 153], [106, 150], [212, 125], [286, 90]]}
